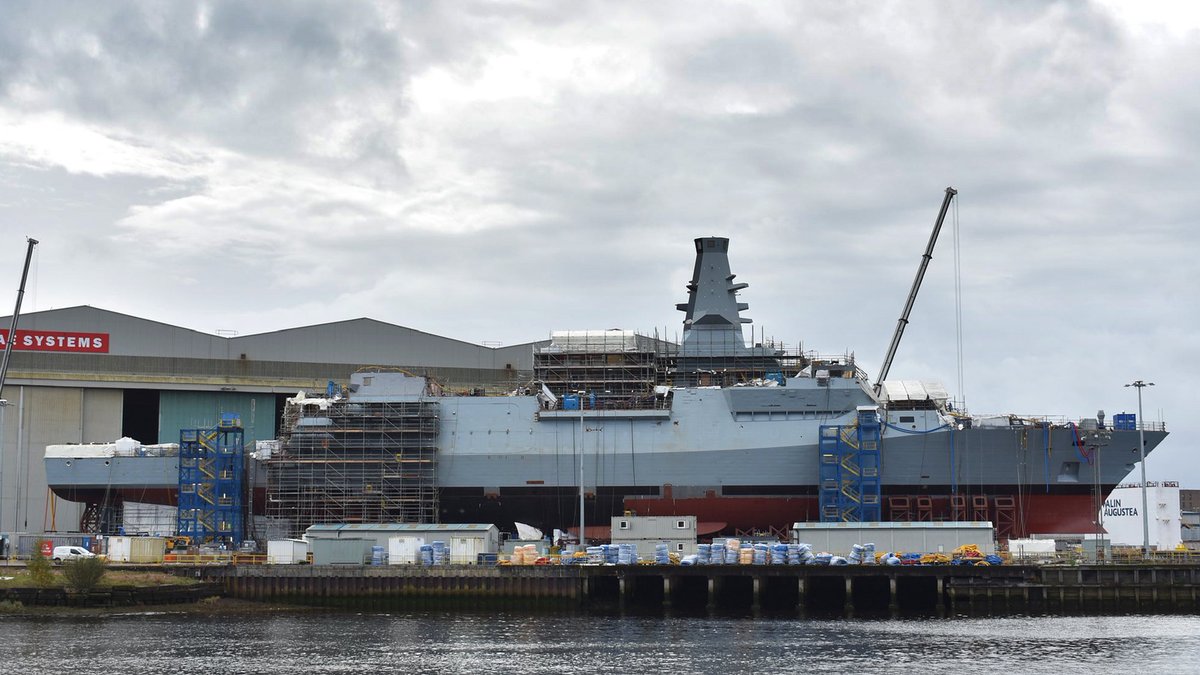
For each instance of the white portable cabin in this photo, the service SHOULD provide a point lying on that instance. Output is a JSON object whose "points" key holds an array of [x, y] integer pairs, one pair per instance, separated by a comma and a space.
{"points": [[287, 552], [898, 537], [679, 533]]}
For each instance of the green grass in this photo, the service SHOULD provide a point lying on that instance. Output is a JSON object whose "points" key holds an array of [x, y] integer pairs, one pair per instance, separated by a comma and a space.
{"points": [[22, 579]]}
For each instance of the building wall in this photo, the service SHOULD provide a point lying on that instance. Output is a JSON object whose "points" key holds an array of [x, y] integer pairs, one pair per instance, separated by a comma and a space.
{"points": [[200, 409], [36, 417], [1191, 529], [1189, 500]]}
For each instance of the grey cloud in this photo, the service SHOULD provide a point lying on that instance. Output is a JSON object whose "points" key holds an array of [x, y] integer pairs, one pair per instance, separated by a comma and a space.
{"points": [[819, 136]]}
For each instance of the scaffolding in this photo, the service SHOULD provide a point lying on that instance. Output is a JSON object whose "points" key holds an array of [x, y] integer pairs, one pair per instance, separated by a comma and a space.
{"points": [[620, 368], [849, 488], [616, 368], [211, 466], [355, 462]]}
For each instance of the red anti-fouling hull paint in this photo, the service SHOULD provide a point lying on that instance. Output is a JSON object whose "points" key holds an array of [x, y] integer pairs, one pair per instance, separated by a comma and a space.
{"points": [[1030, 514]]}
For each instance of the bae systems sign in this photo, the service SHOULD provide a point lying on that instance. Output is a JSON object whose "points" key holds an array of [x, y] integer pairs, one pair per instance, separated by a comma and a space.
{"points": [[57, 341]]}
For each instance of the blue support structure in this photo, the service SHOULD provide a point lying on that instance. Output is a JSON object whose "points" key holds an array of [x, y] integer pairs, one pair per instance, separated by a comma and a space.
{"points": [[829, 453], [211, 463], [848, 474]]}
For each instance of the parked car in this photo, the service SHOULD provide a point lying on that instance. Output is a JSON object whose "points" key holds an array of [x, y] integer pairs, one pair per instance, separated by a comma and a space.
{"points": [[63, 553]]}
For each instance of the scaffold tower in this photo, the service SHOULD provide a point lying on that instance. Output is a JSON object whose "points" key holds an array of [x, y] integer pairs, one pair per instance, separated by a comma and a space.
{"points": [[355, 462], [849, 469], [211, 463]]}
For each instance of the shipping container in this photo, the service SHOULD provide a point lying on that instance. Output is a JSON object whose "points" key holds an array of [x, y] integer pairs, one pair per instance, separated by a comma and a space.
{"points": [[135, 549], [26, 543]]}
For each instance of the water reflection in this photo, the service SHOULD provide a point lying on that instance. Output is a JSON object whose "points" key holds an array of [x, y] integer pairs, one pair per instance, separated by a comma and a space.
{"points": [[331, 642]]}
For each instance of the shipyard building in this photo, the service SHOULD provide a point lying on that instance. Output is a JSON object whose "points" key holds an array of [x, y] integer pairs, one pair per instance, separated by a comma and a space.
{"points": [[89, 375]]}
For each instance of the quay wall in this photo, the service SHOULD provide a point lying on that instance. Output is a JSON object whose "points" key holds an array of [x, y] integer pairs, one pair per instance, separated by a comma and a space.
{"points": [[112, 596], [850, 590]]}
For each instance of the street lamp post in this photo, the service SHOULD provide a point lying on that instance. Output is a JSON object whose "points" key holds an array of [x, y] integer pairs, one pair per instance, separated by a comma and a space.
{"points": [[582, 539], [1139, 384], [1095, 441]]}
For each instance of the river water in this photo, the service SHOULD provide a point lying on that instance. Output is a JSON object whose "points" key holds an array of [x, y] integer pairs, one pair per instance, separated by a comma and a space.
{"points": [[444, 642]]}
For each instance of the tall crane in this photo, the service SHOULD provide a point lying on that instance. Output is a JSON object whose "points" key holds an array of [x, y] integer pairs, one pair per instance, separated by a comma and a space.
{"points": [[12, 331], [916, 286], [8, 345]]}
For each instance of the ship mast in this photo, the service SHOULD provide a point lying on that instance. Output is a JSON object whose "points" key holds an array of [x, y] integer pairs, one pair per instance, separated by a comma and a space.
{"points": [[916, 286]]}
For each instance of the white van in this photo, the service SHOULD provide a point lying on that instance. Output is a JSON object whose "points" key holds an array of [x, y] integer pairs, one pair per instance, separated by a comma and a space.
{"points": [[62, 553]]}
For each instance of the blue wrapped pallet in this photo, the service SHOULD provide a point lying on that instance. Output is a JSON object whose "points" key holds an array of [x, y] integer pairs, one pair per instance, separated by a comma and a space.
{"points": [[731, 555], [440, 553], [662, 555], [626, 554], [779, 554], [868, 554], [760, 554], [856, 555], [718, 554], [595, 555], [612, 553]]}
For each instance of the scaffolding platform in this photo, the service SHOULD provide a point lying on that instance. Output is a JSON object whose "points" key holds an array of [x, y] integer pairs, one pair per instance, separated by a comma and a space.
{"points": [[355, 462]]}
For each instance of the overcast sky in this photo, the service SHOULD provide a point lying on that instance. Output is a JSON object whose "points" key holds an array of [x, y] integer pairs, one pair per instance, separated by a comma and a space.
{"points": [[495, 171]]}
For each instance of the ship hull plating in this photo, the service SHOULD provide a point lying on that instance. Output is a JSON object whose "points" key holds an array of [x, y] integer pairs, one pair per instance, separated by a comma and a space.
{"points": [[1050, 475]]}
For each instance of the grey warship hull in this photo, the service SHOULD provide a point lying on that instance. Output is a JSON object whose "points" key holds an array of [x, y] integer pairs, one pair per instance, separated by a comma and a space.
{"points": [[745, 438]]}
